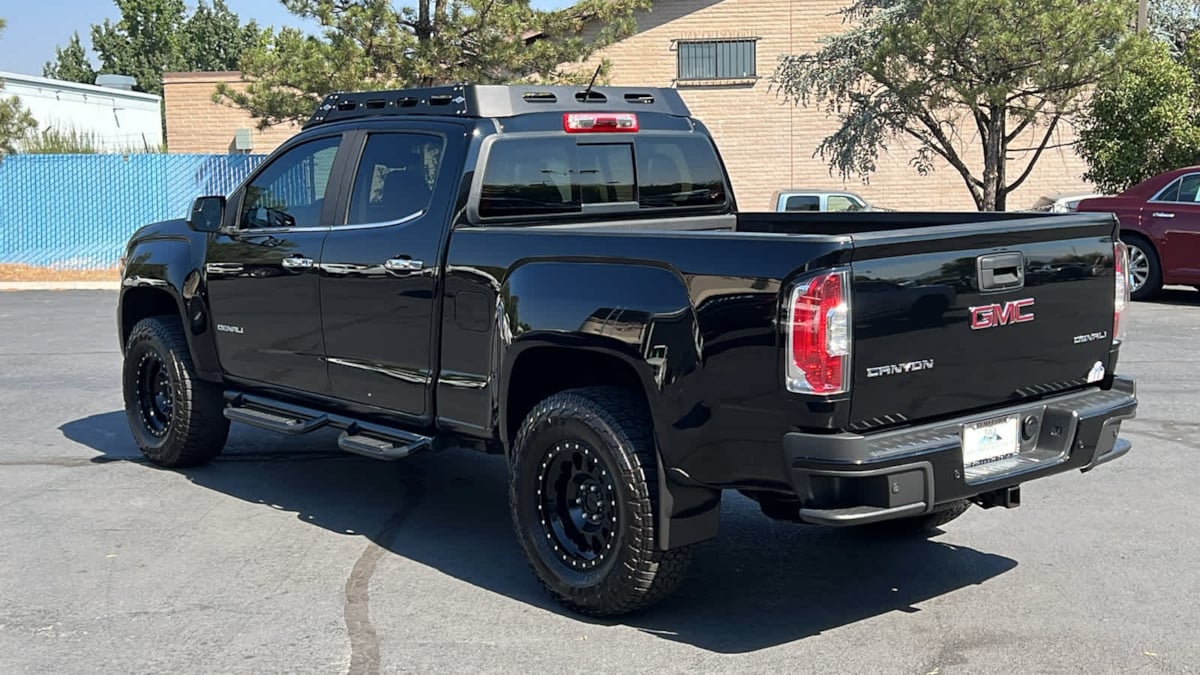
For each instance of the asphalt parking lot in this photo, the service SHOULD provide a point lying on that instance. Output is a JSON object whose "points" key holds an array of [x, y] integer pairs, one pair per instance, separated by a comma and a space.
{"points": [[287, 556]]}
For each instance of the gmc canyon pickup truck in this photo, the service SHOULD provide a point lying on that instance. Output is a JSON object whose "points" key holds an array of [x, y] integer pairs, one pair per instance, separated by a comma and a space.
{"points": [[561, 276]]}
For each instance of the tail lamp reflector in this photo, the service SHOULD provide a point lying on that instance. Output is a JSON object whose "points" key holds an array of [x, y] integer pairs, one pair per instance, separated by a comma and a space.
{"points": [[1121, 298], [818, 354]]}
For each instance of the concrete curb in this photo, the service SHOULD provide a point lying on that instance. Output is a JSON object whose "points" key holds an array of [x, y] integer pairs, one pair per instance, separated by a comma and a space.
{"points": [[60, 285]]}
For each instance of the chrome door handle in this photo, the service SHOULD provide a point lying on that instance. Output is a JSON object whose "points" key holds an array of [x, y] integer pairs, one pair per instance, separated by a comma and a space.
{"points": [[403, 265], [1163, 214], [297, 263], [224, 268]]}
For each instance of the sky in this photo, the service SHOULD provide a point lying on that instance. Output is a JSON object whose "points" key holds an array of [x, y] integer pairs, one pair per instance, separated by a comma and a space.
{"points": [[36, 27]]}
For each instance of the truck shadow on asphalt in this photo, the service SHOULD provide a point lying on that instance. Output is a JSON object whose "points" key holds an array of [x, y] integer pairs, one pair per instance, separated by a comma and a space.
{"points": [[1175, 295], [760, 584]]}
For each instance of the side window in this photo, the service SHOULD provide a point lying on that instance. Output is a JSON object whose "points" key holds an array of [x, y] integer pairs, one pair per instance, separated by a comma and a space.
{"points": [[842, 203], [395, 177], [532, 176], [290, 192], [1189, 187], [681, 171], [802, 203], [1170, 193]]}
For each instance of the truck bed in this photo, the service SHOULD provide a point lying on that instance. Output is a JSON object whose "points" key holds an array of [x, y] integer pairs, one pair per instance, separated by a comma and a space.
{"points": [[916, 354]]}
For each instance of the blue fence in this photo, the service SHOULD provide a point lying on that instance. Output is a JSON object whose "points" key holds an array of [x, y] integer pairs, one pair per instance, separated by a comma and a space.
{"points": [[77, 211]]}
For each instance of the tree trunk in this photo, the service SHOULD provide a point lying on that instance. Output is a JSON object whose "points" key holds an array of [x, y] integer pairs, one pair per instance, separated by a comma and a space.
{"points": [[1002, 168], [994, 160], [424, 29]]}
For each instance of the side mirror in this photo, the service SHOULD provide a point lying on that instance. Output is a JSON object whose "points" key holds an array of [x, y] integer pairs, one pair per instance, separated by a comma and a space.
{"points": [[207, 214]]}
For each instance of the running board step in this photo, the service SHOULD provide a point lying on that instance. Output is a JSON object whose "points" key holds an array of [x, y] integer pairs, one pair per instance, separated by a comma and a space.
{"points": [[379, 447], [362, 438], [275, 421]]}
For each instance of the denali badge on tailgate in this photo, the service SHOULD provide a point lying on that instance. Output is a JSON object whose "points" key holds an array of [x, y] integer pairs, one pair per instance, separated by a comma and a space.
{"points": [[991, 316]]}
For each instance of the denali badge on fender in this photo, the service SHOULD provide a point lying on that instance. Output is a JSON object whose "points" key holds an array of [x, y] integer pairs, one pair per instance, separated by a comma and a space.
{"points": [[991, 316], [898, 368]]}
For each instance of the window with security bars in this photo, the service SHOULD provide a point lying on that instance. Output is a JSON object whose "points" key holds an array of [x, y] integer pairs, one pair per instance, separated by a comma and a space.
{"points": [[717, 60]]}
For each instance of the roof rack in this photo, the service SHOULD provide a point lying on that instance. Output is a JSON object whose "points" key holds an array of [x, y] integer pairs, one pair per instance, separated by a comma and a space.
{"points": [[474, 100]]}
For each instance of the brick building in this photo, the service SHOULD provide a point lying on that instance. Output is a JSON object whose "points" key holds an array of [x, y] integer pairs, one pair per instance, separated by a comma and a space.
{"points": [[719, 54], [195, 123]]}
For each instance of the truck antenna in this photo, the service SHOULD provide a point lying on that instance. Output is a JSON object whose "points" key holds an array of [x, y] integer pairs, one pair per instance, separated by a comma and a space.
{"points": [[588, 92]]}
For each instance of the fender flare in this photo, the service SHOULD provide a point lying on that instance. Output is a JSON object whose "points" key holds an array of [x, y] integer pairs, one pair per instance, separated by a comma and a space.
{"points": [[170, 265], [638, 314]]}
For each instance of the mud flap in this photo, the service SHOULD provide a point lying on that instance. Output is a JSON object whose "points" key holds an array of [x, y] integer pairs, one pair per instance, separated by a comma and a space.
{"points": [[687, 514]]}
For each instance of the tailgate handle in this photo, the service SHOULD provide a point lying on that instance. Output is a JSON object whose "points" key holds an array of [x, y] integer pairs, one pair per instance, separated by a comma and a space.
{"points": [[1001, 271]]}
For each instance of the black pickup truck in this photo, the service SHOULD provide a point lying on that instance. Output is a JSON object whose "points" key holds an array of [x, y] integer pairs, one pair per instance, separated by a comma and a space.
{"points": [[562, 276]]}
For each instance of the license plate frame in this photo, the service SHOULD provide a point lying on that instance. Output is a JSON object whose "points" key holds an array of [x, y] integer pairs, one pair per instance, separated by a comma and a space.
{"points": [[990, 440]]}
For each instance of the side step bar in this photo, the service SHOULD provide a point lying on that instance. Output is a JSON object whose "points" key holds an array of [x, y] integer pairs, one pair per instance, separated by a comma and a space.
{"points": [[284, 424], [381, 448], [369, 440]]}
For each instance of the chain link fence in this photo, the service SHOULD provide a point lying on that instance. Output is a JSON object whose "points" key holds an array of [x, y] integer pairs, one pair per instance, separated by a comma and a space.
{"points": [[77, 211]]}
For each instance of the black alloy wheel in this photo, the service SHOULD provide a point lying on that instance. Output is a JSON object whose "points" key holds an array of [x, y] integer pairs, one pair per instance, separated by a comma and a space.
{"points": [[578, 505], [155, 398]]}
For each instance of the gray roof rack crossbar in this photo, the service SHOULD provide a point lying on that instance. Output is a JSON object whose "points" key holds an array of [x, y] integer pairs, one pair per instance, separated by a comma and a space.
{"points": [[471, 100]]}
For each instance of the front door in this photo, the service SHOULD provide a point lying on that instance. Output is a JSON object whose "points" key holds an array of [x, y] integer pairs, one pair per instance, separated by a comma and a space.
{"points": [[379, 289], [262, 271]]}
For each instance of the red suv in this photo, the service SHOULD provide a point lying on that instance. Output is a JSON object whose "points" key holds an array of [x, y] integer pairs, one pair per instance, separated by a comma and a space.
{"points": [[1160, 221]]}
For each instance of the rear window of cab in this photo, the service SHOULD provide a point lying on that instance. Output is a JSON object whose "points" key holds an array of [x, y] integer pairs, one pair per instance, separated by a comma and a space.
{"points": [[560, 175]]}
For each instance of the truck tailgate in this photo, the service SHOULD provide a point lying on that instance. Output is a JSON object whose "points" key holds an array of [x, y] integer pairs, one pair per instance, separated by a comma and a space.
{"points": [[963, 317]]}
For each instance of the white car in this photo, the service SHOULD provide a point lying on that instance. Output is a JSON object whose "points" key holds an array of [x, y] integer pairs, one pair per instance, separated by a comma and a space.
{"points": [[1060, 203], [819, 200]]}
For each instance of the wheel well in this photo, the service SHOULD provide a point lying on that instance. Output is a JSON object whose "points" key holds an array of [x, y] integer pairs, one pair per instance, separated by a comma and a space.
{"points": [[1134, 234], [140, 303], [544, 371], [1143, 241]]}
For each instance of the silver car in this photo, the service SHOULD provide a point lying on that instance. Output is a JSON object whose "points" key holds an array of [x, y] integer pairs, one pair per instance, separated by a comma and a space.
{"points": [[819, 200]]}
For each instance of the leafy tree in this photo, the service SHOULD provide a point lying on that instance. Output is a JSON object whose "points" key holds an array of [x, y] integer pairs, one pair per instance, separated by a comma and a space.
{"points": [[70, 63], [145, 42], [15, 121], [947, 73], [214, 38], [370, 44], [157, 36], [1174, 22], [1146, 122]]}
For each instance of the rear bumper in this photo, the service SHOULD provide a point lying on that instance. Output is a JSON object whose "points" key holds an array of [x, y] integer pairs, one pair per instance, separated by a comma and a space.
{"points": [[848, 479]]}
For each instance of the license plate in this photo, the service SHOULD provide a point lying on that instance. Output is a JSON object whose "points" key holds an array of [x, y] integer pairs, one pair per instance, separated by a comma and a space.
{"points": [[990, 440]]}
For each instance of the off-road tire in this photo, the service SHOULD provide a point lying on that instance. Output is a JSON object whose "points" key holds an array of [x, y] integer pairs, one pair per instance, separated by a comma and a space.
{"points": [[196, 429], [614, 427], [916, 526]]}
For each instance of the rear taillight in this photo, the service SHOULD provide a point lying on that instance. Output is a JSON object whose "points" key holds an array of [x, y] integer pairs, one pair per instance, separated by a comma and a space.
{"points": [[818, 339], [1121, 299]]}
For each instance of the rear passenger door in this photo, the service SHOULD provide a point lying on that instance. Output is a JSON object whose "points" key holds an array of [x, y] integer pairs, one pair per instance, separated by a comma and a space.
{"points": [[380, 293]]}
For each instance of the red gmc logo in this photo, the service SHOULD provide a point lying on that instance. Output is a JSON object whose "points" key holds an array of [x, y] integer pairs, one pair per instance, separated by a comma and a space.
{"points": [[990, 316]]}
